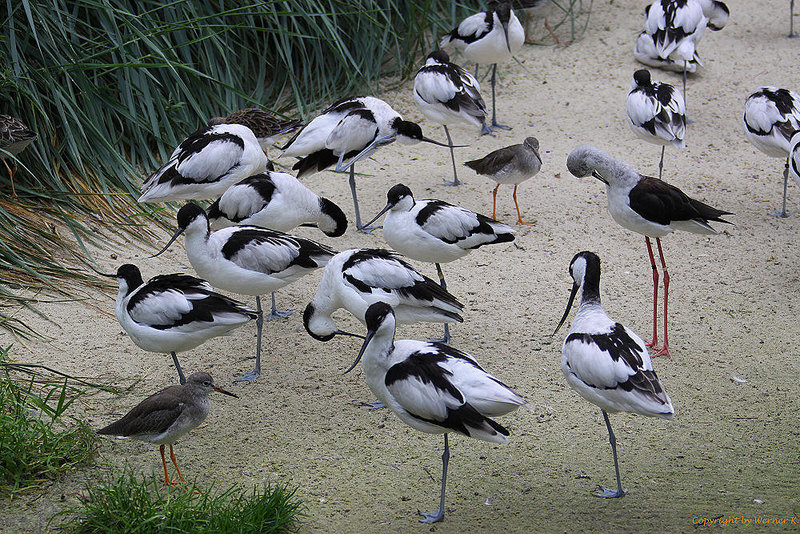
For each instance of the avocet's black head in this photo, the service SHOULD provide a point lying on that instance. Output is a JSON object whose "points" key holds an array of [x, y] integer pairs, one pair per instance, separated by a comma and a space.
{"points": [[376, 314], [410, 133], [189, 213], [439, 56], [584, 265], [642, 77], [308, 315], [321, 327], [398, 193], [503, 10], [374, 317], [130, 274], [585, 271], [186, 216], [335, 223]]}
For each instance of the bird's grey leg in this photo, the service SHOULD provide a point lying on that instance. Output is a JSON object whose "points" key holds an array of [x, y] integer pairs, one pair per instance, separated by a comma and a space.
{"points": [[783, 212], [252, 375], [275, 313], [452, 158], [495, 124], [181, 377], [607, 492], [791, 20], [438, 515], [685, 66], [661, 162], [359, 226], [446, 338]]}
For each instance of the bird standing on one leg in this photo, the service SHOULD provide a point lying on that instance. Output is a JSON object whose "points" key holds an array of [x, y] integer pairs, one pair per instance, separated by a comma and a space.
{"points": [[489, 37], [656, 113], [649, 207], [349, 130], [771, 117], [174, 312], [447, 94], [676, 27], [433, 388], [605, 362], [248, 260], [164, 417], [436, 232]]}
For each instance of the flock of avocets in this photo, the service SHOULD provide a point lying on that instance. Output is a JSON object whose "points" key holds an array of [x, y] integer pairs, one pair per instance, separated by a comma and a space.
{"points": [[430, 385]]}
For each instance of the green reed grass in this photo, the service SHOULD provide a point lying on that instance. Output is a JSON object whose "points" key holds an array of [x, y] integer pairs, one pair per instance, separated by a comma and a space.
{"points": [[127, 503], [38, 441], [111, 86]]}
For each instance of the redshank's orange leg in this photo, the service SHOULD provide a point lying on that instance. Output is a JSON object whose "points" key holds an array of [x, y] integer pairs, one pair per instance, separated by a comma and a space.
{"points": [[494, 202], [665, 349], [167, 481], [654, 342], [175, 463], [519, 215]]}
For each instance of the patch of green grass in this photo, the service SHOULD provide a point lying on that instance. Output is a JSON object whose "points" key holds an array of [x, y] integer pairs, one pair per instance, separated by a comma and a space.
{"points": [[36, 443], [130, 505]]}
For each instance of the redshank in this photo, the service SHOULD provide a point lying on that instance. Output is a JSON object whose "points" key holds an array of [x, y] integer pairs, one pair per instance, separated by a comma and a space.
{"points": [[164, 417]]}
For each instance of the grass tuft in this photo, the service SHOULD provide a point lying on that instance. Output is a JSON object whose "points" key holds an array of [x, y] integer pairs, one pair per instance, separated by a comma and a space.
{"points": [[37, 444], [132, 505]]}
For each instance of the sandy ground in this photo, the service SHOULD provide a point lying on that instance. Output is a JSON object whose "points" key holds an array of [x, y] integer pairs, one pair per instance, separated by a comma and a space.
{"points": [[732, 450]]}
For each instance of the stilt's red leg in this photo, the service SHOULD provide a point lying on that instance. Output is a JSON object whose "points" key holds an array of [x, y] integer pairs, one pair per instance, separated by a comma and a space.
{"points": [[665, 349], [519, 215], [167, 481], [494, 202], [655, 292], [174, 462]]}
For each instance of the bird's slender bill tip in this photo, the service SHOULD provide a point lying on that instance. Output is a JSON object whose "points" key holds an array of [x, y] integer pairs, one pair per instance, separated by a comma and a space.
{"points": [[220, 390]]}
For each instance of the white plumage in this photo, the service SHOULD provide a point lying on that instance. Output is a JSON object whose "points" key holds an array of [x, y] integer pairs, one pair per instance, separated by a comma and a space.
{"points": [[433, 387], [647, 206], [656, 113], [173, 312], [447, 94], [646, 53], [248, 260], [347, 131], [677, 27], [278, 201], [205, 164], [771, 117], [434, 231], [794, 157], [489, 37], [354, 279], [605, 362]]}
